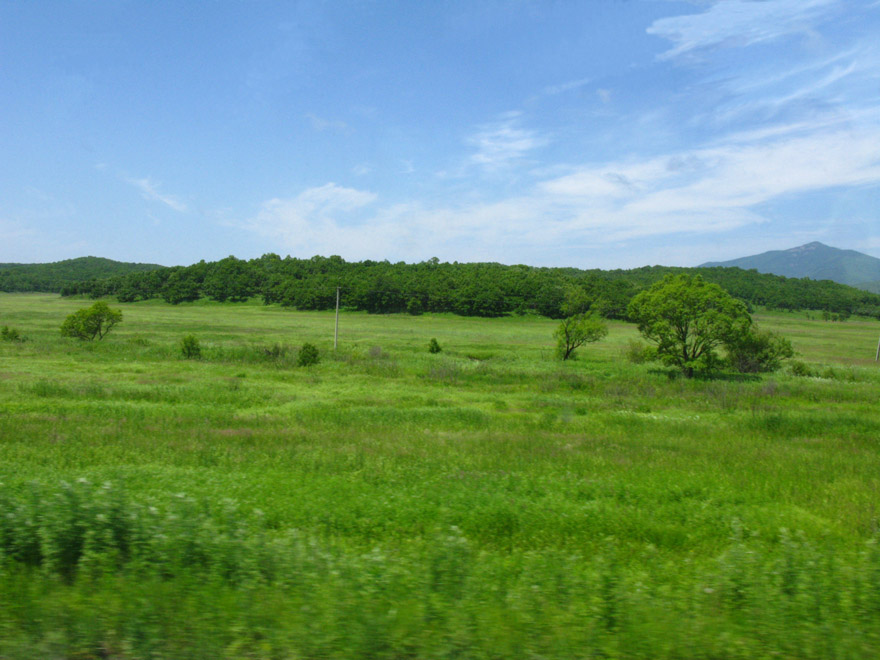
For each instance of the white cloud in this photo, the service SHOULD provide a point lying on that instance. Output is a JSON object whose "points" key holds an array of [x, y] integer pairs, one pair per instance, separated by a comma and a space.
{"points": [[311, 220], [702, 191], [710, 189], [330, 198], [502, 142], [737, 23], [150, 191]]}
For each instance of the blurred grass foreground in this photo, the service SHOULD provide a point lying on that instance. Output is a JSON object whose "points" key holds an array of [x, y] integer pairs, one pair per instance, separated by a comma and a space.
{"points": [[487, 501]]}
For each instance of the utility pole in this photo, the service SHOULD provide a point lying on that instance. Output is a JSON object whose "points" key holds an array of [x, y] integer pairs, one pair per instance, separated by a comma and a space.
{"points": [[336, 333]]}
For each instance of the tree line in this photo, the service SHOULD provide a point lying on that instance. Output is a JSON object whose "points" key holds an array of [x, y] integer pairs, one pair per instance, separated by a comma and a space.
{"points": [[53, 277], [467, 289]]}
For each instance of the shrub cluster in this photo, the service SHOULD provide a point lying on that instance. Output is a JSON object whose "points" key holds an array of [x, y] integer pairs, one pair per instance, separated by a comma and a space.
{"points": [[10, 334]]}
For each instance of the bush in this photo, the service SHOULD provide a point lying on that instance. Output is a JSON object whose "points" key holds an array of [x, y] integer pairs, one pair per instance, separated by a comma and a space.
{"points": [[798, 368], [758, 351], [307, 356], [10, 334], [638, 352], [91, 322], [433, 346], [190, 348]]}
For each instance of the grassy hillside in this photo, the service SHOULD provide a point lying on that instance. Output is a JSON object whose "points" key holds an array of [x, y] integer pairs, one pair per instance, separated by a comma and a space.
{"points": [[53, 277], [816, 261], [484, 502]]}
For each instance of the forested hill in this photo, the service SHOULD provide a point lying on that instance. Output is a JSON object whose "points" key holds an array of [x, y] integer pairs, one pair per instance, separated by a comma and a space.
{"points": [[53, 277], [472, 289]]}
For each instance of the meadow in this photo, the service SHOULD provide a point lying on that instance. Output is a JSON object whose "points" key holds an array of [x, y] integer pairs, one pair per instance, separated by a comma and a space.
{"points": [[487, 501]]}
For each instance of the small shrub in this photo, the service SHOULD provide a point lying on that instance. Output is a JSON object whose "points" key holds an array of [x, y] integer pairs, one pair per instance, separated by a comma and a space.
{"points": [[798, 368], [10, 334], [433, 346], [376, 352], [307, 356], [190, 348], [638, 352], [275, 351]]}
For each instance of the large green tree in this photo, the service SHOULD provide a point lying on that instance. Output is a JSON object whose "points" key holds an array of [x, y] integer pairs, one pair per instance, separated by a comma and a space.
{"points": [[689, 319]]}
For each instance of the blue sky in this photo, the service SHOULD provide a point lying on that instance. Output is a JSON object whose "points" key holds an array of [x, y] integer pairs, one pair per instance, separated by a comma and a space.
{"points": [[606, 134]]}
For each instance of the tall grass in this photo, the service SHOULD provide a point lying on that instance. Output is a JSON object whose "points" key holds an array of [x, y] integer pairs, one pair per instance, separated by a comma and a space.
{"points": [[484, 502]]}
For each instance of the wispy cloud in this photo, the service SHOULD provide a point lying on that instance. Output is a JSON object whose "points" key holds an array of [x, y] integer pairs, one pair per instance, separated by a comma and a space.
{"points": [[322, 124], [150, 191], [568, 86], [737, 23], [842, 84], [503, 142]]}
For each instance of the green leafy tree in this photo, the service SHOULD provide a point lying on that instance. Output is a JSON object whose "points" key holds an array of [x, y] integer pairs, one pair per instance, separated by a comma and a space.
{"points": [[91, 322], [576, 301], [689, 319], [181, 286], [577, 330]]}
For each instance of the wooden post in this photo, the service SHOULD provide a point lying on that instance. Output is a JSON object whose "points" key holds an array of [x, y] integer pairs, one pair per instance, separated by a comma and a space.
{"points": [[336, 332], [877, 357]]}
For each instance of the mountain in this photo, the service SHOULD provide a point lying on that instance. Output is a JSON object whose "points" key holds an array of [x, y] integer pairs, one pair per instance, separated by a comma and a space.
{"points": [[52, 277], [816, 261]]}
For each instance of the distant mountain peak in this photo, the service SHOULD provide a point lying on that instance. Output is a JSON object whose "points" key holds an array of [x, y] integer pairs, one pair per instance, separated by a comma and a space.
{"points": [[816, 261]]}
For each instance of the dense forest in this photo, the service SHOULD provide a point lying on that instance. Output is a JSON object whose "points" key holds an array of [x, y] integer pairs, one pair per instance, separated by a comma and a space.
{"points": [[468, 289], [53, 277]]}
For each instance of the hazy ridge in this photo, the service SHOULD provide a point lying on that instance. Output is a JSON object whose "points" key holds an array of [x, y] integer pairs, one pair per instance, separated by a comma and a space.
{"points": [[816, 261]]}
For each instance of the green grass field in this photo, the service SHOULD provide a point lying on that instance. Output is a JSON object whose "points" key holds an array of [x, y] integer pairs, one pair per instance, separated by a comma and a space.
{"points": [[484, 502]]}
